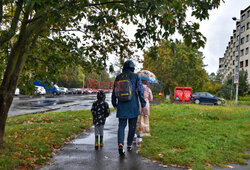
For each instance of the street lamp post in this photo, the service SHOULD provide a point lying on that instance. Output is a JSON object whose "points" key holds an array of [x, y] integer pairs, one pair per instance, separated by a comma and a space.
{"points": [[238, 65]]}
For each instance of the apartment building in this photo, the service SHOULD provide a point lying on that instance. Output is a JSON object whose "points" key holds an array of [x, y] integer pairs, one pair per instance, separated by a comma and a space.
{"points": [[228, 63]]}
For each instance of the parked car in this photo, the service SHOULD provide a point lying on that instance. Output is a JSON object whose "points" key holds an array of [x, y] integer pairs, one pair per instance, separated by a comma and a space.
{"points": [[52, 89], [72, 91], [40, 90], [206, 98], [88, 91], [63, 90], [79, 91], [182, 94], [95, 90], [17, 91]]}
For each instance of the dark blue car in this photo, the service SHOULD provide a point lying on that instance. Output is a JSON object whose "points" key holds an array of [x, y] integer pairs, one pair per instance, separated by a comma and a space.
{"points": [[205, 98]]}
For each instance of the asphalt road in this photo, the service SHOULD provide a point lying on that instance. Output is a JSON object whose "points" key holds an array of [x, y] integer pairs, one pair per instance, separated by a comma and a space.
{"points": [[81, 154], [25, 105]]}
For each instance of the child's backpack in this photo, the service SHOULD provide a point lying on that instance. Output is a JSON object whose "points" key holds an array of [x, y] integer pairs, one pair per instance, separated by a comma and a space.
{"points": [[123, 88]]}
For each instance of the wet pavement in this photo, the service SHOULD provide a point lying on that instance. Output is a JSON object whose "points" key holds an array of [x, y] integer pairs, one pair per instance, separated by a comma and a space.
{"points": [[81, 154], [26, 105], [235, 167]]}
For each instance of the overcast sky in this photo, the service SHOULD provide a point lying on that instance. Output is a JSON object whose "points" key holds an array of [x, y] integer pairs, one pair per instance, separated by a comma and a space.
{"points": [[218, 30]]}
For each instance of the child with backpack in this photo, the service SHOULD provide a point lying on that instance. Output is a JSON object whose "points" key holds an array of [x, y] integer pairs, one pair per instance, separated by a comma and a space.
{"points": [[100, 110]]}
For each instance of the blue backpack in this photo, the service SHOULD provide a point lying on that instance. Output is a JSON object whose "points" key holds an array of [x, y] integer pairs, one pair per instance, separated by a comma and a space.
{"points": [[123, 88]]}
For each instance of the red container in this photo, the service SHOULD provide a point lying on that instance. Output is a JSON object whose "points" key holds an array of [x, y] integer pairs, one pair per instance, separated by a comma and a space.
{"points": [[182, 94]]}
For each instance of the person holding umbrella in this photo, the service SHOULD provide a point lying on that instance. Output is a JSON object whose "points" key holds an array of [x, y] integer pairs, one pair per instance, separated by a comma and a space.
{"points": [[143, 119]]}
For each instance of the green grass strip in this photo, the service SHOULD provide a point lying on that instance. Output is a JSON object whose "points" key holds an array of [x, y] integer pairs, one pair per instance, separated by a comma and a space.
{"points": [[31, 140], [198, 136]]}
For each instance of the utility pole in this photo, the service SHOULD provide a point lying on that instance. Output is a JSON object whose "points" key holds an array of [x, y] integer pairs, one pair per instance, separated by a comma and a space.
{"points": [[238, 65], [231, 97], [83, 81]]}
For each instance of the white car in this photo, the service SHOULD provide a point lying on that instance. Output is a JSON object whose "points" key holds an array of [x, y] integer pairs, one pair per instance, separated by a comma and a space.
{"points": [[63, 90], [17, 92], [90, 92], [40, 90]]}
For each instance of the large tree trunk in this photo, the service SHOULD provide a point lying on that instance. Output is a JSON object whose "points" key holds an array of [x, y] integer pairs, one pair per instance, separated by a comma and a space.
{"points": [[9, 83], [28, 35]]}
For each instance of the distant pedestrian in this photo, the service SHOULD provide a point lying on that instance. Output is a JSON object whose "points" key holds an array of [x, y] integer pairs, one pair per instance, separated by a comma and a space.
{"points": [[100, 110], [143, 128], [127, 89]]}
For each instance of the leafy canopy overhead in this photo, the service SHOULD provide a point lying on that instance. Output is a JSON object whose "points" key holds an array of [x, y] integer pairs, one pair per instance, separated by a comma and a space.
{"points": [[56, 44], [38, 36]]}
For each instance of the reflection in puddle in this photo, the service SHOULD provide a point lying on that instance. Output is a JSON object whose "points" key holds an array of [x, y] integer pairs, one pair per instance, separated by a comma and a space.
{"points": [[42, 103]]}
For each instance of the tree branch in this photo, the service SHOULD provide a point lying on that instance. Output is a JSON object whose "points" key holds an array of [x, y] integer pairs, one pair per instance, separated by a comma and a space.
{"points": [[1, 11], [104, 3], [67, 30], [6, 36]]}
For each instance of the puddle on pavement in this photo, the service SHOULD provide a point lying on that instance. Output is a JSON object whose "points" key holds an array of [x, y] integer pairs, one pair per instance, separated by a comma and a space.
{"points": [[42, 103], [89, 138], [86, 105]]}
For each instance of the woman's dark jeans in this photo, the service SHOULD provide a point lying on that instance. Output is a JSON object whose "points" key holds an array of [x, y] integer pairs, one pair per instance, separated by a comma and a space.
{"points": [[131, 131]]}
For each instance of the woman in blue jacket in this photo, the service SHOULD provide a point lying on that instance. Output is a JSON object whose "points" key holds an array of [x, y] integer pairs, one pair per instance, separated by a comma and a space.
{"points": [[128, 111]]}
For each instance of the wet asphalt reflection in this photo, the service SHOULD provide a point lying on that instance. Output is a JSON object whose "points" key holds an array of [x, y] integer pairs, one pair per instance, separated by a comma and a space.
{"points": [[81, 154], [25, 105]]}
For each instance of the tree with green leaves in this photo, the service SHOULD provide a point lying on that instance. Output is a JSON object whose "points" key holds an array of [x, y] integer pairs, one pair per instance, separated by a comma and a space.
{"points": [[228, 87], [72, 77], [176, 65], [39, 36], [213, 85]]}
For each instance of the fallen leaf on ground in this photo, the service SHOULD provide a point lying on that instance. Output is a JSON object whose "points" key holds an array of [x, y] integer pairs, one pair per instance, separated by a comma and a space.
{"points": [[229, 166], [160, 155], [106, 157]]}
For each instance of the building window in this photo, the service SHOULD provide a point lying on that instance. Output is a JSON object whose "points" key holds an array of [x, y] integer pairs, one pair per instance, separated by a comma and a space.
{"points": [[242, 40], [233, 70], [238, 38], [237, 47], [243, 29], [234, 35], [242, 52], [243, 17], [241, 64], [248, 25], [246, 63], [248, 13], [233, 62], [238, 28], [234, 53], [247, 38], [247, 50]]}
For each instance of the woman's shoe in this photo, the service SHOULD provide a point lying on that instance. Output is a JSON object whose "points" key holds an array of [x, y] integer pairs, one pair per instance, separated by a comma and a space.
{"points": [[139, 140]]}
